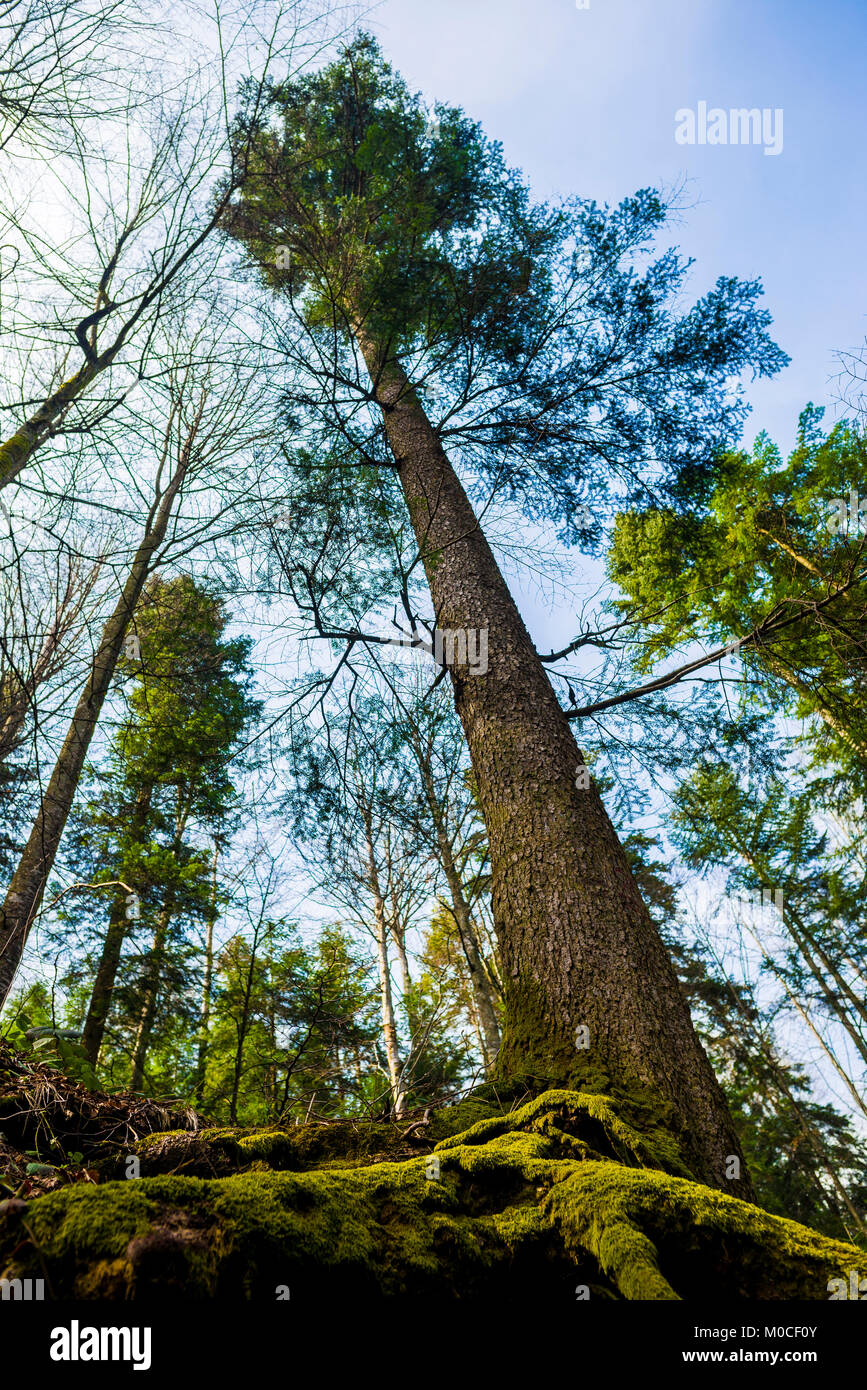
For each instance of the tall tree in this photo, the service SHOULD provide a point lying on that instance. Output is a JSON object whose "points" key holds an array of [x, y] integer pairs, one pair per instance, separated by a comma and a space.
{"points": [[25, 891], [170, 782], [526, 341]]}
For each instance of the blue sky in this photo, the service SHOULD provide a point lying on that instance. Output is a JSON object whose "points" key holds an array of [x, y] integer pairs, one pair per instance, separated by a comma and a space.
{"points": [[584, 102]]}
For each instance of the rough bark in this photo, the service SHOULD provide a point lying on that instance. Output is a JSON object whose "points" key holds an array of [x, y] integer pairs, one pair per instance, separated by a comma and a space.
{"points": [[576, 941]]}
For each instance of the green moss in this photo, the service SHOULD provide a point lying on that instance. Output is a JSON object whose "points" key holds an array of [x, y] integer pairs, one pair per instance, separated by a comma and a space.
{"points": [[224, 1151], [564, 1189], [583, 1126], [638, 1224]]}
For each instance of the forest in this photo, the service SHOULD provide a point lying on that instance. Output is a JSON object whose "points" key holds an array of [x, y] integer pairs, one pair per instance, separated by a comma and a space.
{"points": [[433, 741]]}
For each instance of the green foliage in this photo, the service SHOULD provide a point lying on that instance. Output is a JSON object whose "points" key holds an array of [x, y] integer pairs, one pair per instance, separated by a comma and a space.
{"points": [[539, 334], [295, 1025], [764, 548]]}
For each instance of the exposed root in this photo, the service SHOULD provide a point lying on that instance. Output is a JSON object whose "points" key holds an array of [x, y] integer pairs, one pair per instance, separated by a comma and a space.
{"points": [[561, 1193]]}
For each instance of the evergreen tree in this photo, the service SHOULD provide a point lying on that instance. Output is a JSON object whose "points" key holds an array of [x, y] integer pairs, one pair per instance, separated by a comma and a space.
{"points": [[167, 788], [524, 340]]}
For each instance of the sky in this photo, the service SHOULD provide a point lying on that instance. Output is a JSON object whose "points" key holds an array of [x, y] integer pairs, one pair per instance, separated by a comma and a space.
{"points": [[584, 101]]}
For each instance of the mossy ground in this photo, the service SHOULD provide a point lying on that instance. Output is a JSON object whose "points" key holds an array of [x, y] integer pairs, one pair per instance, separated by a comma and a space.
{"points": [[562, 1191]]}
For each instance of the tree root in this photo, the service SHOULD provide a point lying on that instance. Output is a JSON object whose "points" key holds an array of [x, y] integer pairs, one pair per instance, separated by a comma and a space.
{"points": [[561, 1194]]}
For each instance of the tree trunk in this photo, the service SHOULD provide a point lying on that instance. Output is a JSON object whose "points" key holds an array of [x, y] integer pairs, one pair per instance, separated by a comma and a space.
{"points": [[207, 987], [106, 974], [151, 994], [28, 883], [398, 932], [17, 692], [18, 449], [157, 957], [389, 1029], [480, 985], [482, 995], [243, 1028], [576, 942], [402, 961], [810, 948]]}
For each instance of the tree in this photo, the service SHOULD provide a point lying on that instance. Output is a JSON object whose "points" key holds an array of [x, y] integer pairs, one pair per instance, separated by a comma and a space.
{"points": [[348, 806], [24, 894], [203, 424], [772, 563], [769, 837], [409, 256], [170, 777], [294, 1029], [446, 817], [137, 223]]}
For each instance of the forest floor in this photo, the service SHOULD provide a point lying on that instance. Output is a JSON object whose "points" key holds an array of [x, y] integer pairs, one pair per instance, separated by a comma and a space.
{"points": [[119, 1196]]}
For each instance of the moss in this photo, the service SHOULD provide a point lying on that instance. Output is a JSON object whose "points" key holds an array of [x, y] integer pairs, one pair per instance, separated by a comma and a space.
{"points": [[562, 1190], [584, 1126], [224, 1151], [651, 1232]]}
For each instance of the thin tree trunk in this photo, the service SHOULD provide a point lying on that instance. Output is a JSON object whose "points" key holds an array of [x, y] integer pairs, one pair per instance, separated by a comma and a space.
{"points": [[810, 1130], [807, 945], [109, 961], [389, 1029], [151, 987], [577, 944], [482, 996], [242, 1032], [207, 987], [16, 693], [18, 449], [796, 1002], [479, 982], [398, 935], [402, 960], [28, 883], [786, 673], [151, 994], [480, 985]]}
